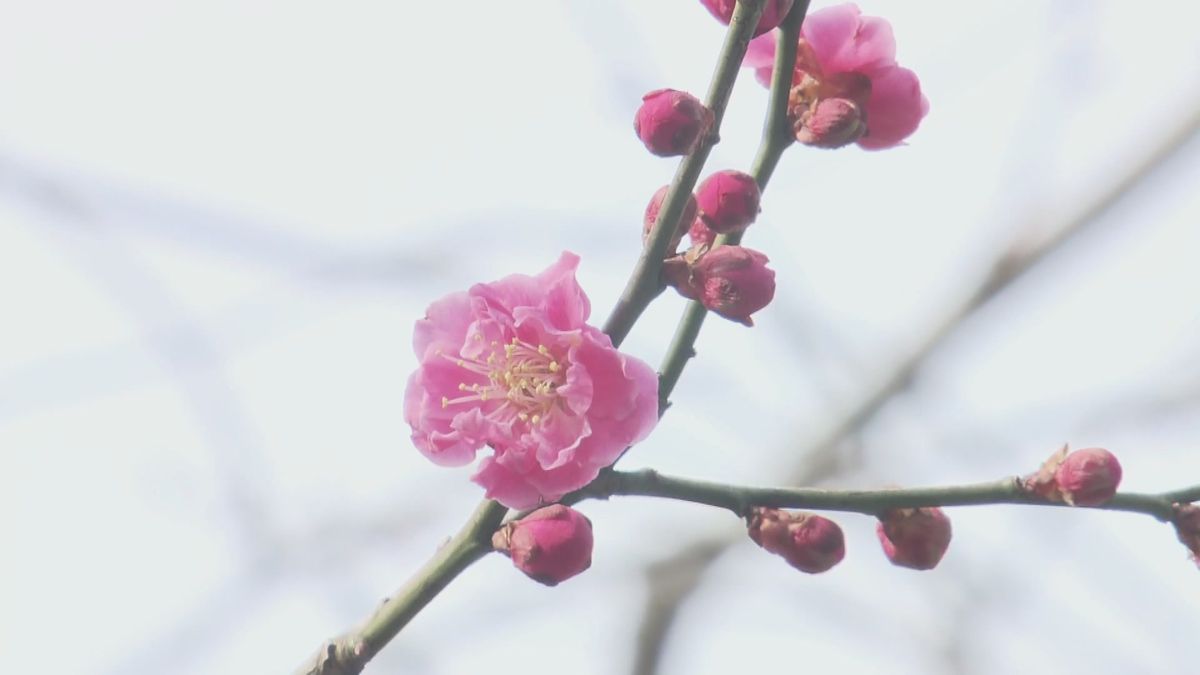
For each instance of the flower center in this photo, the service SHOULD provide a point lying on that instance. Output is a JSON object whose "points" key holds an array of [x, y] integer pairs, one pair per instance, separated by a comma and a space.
{"points": [[523, 377]]}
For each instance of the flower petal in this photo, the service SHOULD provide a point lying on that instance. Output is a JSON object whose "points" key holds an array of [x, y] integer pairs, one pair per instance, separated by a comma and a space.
{"points": [[506, 486], [895, 108], [844, 41], [565, 303], [443, 327], [761, 57]]}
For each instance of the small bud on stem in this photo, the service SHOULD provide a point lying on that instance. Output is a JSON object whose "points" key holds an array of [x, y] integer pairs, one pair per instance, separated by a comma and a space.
{"points": [[682, 225], [549, 545], [914, 538], [728, 201], [732, 281], [671, 122], [808, 542], [1087, 477]]}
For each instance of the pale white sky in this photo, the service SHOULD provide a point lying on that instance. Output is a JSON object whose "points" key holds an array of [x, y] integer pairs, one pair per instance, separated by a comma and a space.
{"points": [[219, 220]]}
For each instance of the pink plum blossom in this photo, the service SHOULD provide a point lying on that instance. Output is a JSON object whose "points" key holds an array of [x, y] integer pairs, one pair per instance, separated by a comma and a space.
{"points": [[845, 55], [512, 365]]}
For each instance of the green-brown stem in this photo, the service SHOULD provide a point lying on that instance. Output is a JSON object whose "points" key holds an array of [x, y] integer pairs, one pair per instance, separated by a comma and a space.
{"points": [[740, 498], [349, 653], [645, 283], [777, 137]]}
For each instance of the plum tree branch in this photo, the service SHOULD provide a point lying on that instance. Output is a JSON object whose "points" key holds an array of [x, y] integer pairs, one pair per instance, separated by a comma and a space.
{"points": [[821, 460], [777, 137], [349, 653], [741, 498], [645, 283]]}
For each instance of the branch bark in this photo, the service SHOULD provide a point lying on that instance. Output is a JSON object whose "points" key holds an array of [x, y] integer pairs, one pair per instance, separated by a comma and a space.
{"points": [[740, 499], [349, 653]]}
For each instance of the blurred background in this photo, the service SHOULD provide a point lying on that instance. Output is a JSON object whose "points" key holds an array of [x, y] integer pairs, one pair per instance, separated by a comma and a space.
{"points": [[219, 221]]}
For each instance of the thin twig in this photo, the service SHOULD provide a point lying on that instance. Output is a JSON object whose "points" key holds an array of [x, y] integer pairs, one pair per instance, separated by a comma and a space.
{"points": [[348, 654], [741, 498], [645, 283], [777, 137]]}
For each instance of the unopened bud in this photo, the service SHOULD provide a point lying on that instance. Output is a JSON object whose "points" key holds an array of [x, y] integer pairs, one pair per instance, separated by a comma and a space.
{"points": [[831, 123], [808, 542], [1187, 528], [701, 234], [732, 281], [671, 122], [772, 15], [728, 201], [914, 538], [652, 209], [549, 545], [1088, 477]]}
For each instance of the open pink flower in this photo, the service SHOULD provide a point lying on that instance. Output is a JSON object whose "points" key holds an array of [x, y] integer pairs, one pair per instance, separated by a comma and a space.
{"points": [[512, 365], [845, 55]]}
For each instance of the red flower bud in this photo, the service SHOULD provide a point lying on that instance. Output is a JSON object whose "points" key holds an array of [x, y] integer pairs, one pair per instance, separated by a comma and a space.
{"points": [[701, 234], [732, 281], [549, 545], [914, 538], [652, 209], [808, 542], [1088, 477], [772, 16], [728, 201], [1187, 528], [671, 122], [832, 123]]}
